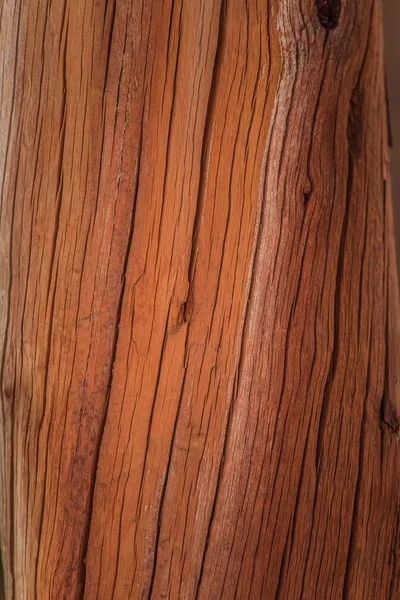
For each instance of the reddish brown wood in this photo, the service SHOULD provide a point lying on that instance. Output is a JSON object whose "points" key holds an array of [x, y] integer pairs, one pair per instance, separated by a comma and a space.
{"points": [[198, 302]]}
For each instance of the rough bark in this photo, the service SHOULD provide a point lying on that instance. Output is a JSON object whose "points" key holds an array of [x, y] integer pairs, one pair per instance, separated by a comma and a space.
{"points": [[198, 302]]}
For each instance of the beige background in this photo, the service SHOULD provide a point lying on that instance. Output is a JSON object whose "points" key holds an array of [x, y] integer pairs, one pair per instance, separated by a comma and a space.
{"points": [[391, 18]]}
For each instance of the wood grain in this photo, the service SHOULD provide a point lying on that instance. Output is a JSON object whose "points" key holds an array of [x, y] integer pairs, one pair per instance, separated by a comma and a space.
{"points": [[199, 306]]}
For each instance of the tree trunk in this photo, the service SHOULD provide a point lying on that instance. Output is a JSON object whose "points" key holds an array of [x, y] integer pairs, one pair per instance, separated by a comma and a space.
{"points": [[199, 309]]}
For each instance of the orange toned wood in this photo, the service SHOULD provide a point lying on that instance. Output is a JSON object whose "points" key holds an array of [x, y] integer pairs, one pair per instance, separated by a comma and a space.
{"points": [[198, 302]]}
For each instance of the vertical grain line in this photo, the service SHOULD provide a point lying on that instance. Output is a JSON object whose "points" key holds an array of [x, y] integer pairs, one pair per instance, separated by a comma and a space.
{"points": [[113, 358]]}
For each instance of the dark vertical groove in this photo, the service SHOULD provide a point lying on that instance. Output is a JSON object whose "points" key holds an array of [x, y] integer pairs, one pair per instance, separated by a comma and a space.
{"points": [[162, 498], [337, 318], [386, 367], [240, 357], [59, 197], [47, 361], [221, 42], [112, 361], [352, 543], [146, 452], [394, 556], [388, 118], [171, 115], [110, 40], [356, 512], [8, 394], [192, 259], [389, 421], [284, 562], [11, 399], [164, 485]]}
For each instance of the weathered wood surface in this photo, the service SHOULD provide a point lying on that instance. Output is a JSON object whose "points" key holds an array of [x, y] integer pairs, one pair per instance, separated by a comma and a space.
{"points": [[198, 302]]}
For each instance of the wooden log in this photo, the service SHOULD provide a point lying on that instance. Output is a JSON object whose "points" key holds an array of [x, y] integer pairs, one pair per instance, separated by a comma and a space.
{"points": [[199, 307]]}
